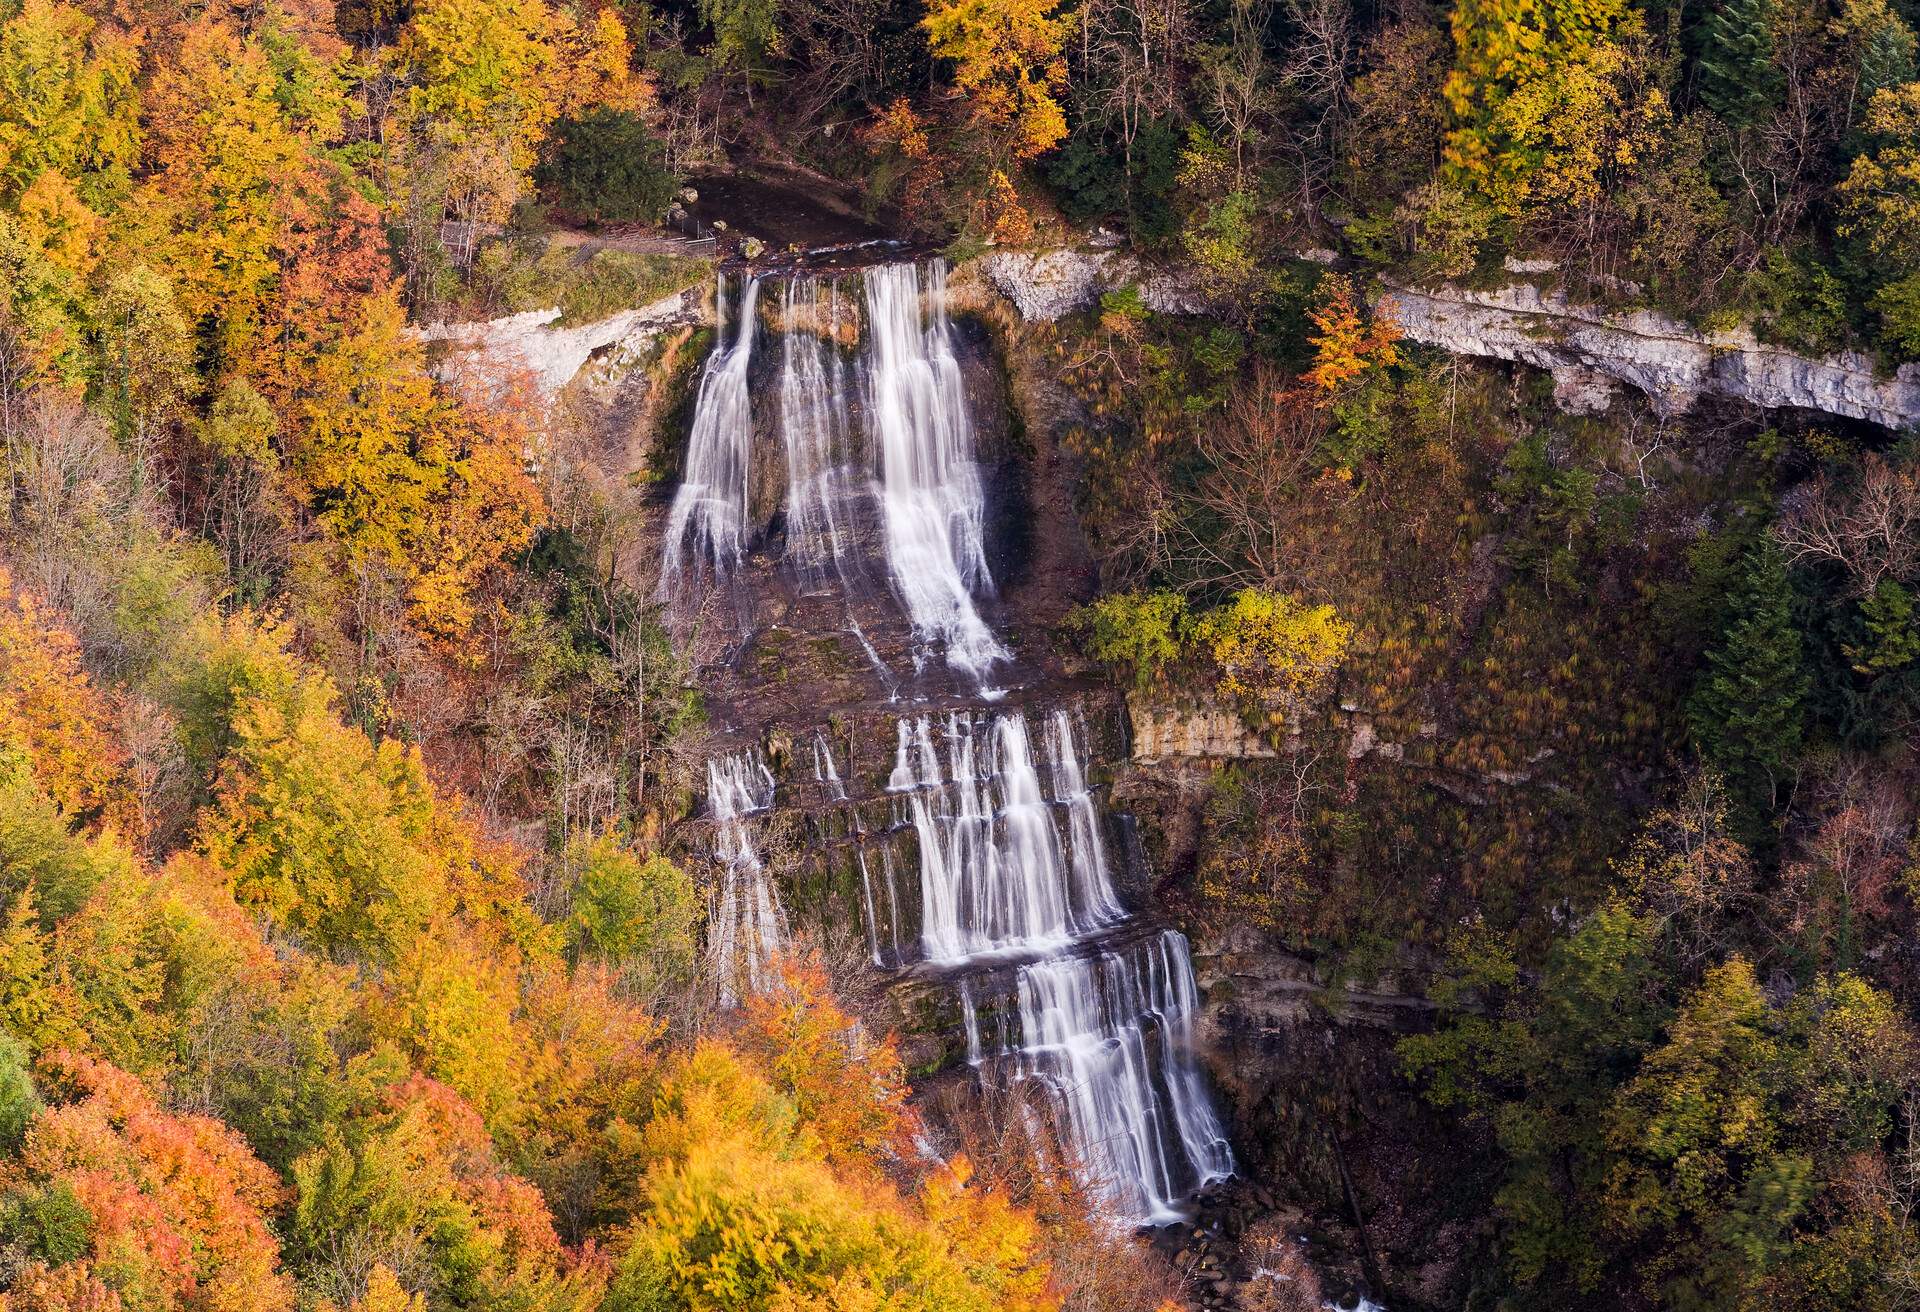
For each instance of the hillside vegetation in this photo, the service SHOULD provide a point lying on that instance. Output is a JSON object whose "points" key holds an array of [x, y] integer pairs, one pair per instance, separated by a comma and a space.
{"points": [[347, 955]]}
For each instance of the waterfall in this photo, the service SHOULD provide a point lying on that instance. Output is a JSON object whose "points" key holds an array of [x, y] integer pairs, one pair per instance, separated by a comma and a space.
{"points": [[1058, 986], [925, 477], [1111, 1036], [932, 500], [746, 926], [997, 872], [813, 425], [1014, 865], [824, 772], [707, 525]]}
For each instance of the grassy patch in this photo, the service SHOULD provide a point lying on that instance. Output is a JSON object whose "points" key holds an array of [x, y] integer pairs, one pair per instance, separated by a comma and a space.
{"points": [[586, 282]]}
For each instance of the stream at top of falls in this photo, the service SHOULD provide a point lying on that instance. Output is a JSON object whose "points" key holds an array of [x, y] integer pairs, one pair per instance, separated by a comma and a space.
{"points": [[983, 862]]}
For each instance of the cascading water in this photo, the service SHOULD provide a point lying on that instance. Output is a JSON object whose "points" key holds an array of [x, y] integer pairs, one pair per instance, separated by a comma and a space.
{"points": [[825, 773], [1103, 1019], [932, 498], [813, 425], [997, 874], [746, 926], [923, 474], [707, 526], [1111, 1035], [1015, 905]]}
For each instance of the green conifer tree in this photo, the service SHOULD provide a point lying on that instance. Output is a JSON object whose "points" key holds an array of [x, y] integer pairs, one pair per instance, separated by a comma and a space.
{"points": [[1747, 711], [1887, 61], [1738, 79]]}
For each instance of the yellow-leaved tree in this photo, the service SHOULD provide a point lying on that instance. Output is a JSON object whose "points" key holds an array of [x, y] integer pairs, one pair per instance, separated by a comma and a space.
{"points": [[1544, 101], [346, 843], [739, 1211], [226, 159], [1007, 62], [1273, 653], [56, 719], [484, 81], [67, 102], [430, 487], [1880, 201]]}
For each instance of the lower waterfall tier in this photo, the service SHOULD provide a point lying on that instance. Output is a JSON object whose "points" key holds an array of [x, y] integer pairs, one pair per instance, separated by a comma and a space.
{"points": [[1107, 1030], [982, 867]]}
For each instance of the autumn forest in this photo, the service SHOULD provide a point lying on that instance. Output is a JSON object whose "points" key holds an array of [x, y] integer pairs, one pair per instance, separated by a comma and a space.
{"points": [[928, 655]]}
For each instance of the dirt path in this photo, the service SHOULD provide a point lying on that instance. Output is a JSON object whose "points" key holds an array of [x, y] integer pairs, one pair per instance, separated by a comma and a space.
{"points": [[639, 238]]}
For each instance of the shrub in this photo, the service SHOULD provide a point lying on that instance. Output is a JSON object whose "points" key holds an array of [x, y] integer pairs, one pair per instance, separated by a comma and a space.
{"points": [[1271, 650], [637, 913], [607, 167], [1140, 631], [1898, 305], [1805, 305]]}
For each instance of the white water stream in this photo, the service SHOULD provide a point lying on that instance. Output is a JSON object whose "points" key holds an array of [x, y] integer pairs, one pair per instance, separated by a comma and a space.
{"points": [[707, 526], [921, 470], [814, 429], [931, 493], [1014, 863], [747, 926]]}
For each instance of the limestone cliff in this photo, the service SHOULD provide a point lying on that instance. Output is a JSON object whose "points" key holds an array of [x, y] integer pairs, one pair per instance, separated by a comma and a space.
{"points": [[1588, 349], [1671, 362], [535, 346]]}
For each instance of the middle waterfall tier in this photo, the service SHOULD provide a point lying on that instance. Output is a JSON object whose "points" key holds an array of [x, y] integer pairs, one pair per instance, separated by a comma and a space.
{"points": [[1007, 862]]}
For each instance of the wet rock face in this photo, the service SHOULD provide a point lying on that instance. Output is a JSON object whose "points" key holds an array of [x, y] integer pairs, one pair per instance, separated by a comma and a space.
{"points": [[1340, 1151], [1669, 361]]}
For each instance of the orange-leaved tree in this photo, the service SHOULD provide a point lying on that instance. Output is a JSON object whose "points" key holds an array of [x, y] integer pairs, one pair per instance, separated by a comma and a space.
{"points": [[849, 1088], [165, 1211], [1346, 342], [52, 714]]}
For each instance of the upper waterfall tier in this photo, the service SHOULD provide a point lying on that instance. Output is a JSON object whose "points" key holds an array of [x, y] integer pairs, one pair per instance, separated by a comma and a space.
{"points": [[853, 440], [707, 527], [929, 480], [823, 487]]}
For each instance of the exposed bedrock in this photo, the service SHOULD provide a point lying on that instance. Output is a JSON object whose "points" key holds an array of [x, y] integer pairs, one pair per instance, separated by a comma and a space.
{"points": [[536, 348], [1587, 349], [1672, 363]]}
